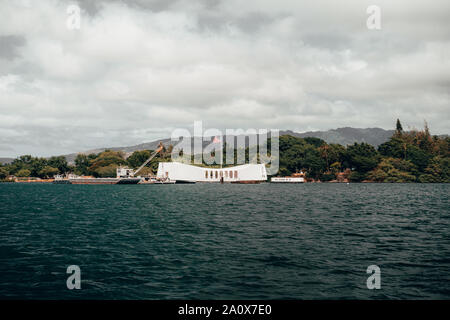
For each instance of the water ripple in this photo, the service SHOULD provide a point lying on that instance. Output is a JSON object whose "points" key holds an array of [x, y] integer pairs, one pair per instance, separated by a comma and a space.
{"points": [[311, 241]]}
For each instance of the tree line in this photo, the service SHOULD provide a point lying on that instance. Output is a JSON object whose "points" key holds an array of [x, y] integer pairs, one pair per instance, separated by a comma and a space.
{"points": [[99, 165], [412, 156]]}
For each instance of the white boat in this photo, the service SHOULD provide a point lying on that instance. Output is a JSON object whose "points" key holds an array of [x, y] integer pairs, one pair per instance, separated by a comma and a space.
{"points": [[295, 178]]}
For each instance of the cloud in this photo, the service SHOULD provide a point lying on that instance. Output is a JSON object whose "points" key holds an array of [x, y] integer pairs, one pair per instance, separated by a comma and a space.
{"points": [[134, 71], [9, 45]]}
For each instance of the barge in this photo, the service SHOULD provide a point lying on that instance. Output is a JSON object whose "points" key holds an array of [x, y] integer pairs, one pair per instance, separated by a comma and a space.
{"points": [[74, 179]]}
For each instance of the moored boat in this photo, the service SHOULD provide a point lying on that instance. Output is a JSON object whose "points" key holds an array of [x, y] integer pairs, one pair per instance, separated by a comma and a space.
{"points": [[298, 177], [73, 179], [246, 182], [104, 181], [153, 180]]}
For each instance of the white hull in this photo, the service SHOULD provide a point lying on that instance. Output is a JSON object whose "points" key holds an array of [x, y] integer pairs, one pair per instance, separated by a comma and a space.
{"points": [[189, 173], [287, 180]]}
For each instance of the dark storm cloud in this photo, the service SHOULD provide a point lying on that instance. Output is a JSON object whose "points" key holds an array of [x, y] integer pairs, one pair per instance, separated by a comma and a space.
{"points": [[327, 41], [9, 45]]}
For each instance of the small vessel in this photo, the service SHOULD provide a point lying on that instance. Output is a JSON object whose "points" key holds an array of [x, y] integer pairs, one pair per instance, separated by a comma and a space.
{"points": [[246, 182], [74, 179], [83, 180], [60, 179], [184, 182], [153, 180], [298, 177]]}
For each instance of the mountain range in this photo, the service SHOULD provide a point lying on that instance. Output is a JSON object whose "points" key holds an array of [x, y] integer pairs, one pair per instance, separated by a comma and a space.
{"points": [[343, 136]]}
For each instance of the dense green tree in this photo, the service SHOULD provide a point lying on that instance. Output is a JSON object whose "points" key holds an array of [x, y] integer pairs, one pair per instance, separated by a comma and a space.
{"points": [[23, 173], [437, 171], [292, 154], [327, 176], [336, 153], [60, 163], [286, 142], [362, 157], [3, 173], [298, 154], [48, 172], [25, 159], [393, 170], [138, 158], [108, 171], [107, 162], [22, 162], [82, 163], [356, 176], [36, 166], [394, 148], [324, 151], [336, 167], [283, 171], [316, 142], [442, 146], [313, 162], [398, 127], [416, 146], [332, 153], [418, 156]]}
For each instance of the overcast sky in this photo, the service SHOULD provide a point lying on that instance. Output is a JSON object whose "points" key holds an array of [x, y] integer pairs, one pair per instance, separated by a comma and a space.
{"points": [[136, 70]]}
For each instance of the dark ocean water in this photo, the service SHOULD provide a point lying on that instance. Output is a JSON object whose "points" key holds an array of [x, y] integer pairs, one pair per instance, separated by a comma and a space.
{"points": [[267, 241]]}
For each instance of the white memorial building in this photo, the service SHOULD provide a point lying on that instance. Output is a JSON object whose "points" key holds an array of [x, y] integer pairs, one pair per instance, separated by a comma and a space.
{"points": [[176, 171]]}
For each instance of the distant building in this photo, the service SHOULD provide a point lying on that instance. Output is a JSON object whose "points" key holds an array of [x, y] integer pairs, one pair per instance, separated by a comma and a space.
{"points": [[124, 172], [176, 171]]}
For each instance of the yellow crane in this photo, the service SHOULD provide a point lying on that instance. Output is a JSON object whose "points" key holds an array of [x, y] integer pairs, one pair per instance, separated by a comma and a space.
{"points": [[158, 150]]}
